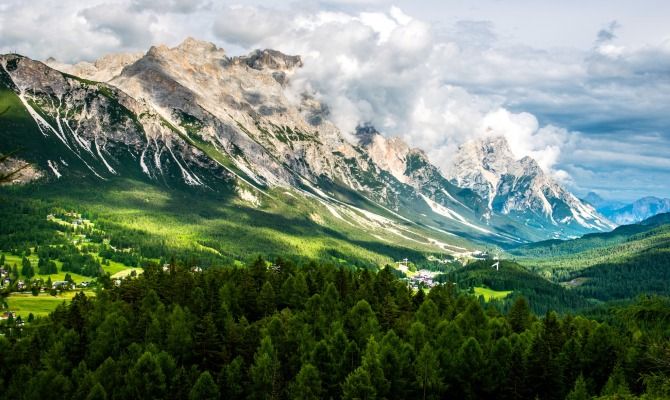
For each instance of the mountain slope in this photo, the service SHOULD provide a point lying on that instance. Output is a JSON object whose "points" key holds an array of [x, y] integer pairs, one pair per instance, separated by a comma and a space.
{"points": [[78, 131], [192, 118]]}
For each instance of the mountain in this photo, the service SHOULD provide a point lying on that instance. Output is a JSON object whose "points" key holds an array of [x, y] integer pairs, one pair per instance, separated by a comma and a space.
{"points": [[623, 214], [637, 211], [192, 119], [521, 190], [600, 203]]}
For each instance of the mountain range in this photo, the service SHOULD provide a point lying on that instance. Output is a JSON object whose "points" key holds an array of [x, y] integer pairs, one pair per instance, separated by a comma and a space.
{"points": [[192, 118], [622, 214]]}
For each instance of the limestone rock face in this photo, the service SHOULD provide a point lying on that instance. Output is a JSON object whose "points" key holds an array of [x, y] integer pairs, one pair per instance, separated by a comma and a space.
{"points": [[101, 70]]}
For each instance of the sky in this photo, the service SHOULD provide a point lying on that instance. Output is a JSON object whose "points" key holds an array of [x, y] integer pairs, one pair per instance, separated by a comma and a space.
{"points": [[583, 87]]}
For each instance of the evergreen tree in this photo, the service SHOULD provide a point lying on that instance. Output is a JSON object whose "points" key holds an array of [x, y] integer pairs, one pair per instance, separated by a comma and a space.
{"points": [[208, 343], [372, 364], [27, 268], [266, 299], [204, 389], [519, 315], [361, 323], [265, 371], [616, 385], [428, 372], [358, 386], [579, 392], [145, 379], [179, 337], [97, 393], [471, 363], [232, 379], [307, 385]]}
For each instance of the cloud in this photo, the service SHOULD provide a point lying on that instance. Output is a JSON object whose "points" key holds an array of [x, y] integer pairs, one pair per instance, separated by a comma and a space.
{"points": [[607, 34], [389, 69], [175, 6], [247, 26], [120, 23]]}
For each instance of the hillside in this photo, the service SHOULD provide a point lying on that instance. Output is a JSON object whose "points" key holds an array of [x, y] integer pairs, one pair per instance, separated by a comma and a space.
{"points": [[631, 260], [504, 276]]}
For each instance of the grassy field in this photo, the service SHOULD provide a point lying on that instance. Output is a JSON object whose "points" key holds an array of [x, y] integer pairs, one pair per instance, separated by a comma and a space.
{"points": [[25, 303], [127, 271], [113, 268], [490, 294]]}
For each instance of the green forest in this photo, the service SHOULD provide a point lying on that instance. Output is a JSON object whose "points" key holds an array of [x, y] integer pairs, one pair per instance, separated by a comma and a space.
{"points": [[317, 331]]}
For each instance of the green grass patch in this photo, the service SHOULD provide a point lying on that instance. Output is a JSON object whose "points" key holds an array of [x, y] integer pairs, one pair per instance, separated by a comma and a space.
{"points": [[124, 273], [490, 294], [41, 305]]}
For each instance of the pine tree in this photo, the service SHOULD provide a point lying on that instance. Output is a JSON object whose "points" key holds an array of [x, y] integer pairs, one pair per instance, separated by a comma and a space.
{"points": [[204, 389], [265, 371], [28, 271], [470, 365], [372, 364], [357, 386], [361, 323], [307, 385], [145, 379], [428, 372], [579, 392], [232, 379], [97, 393], [616, 384], [519, 315], [266, 299], [179, 337], [208, 343]]}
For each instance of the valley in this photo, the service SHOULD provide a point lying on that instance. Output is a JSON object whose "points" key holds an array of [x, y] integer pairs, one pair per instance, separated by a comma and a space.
{"points": [[177, 223]]}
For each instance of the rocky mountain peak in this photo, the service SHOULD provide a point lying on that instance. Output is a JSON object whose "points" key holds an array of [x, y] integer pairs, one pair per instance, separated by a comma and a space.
{"points": [[365, 134], [195, 46], [519, 186], [103, 69], [269, 59]]}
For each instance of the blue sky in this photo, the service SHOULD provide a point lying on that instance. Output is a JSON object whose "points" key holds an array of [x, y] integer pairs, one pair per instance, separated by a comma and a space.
{"points": [[584, 87]]}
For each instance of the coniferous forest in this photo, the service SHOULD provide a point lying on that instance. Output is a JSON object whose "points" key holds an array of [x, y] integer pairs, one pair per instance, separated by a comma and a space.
{"points": [[319, 332]]}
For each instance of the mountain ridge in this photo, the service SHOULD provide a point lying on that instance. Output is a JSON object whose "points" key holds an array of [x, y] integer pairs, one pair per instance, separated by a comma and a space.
{"points": [[192, 116]]}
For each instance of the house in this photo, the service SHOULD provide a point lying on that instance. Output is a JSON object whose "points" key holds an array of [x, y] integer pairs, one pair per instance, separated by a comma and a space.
{"points": [[84, 284], [21, 285], [5, 315], [6, 282], [63, 285]]}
